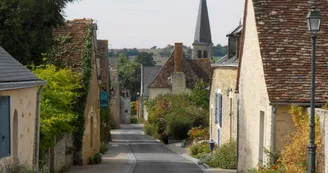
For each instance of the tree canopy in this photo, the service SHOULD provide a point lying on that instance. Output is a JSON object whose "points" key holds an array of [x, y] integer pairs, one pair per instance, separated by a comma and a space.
{"points": [[26, 27], [145, 58]]}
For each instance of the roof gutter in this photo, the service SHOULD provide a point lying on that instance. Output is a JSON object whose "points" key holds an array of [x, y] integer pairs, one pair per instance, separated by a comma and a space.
{"points": [[38, 112], [298, 104]]}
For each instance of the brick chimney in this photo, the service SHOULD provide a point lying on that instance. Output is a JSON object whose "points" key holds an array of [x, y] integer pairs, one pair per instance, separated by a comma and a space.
{"points": [[178, 77], [178, 57]]}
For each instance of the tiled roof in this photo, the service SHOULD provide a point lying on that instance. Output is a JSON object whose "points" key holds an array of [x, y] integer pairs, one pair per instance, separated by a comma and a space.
{"points": [[285, 46], [149, 74], [227, 62], [102, 54], [13, 74], [193, 70], [77, 31]]}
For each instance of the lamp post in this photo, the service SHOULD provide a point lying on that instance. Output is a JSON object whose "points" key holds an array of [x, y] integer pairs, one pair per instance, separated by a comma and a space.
{"points": [[314, 22]]}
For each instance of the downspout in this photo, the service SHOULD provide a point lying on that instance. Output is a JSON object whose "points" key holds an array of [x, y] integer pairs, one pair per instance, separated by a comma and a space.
{"points": [[238, 121], [273, 130], [38, 112]]}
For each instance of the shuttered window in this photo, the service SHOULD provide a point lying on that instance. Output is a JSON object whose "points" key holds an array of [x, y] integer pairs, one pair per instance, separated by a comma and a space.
{"points": [[4, 126], [218, 109]]}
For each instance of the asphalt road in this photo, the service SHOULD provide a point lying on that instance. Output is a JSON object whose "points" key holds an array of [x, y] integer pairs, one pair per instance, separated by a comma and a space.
{"points": [[146, 155], [133, 152]]}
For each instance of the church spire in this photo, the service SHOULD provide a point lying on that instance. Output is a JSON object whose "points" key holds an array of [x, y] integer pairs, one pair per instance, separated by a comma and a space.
{"points": [[203, 29], [202, 46]]}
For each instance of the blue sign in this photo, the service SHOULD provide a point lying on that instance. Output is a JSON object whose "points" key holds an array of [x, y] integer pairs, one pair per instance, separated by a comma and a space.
{"points": [[103, 99]]}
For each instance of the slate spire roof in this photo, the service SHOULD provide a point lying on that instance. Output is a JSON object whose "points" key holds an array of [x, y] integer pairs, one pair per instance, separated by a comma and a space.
{"points": [[203, 29], [285, 49], [13, 75]]}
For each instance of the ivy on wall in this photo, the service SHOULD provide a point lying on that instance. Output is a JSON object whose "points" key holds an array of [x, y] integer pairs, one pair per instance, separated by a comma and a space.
{"points": [[81, 102]]}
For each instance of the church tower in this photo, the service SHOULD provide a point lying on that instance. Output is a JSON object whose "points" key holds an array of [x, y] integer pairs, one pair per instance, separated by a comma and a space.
{"points": [[202, 46]]}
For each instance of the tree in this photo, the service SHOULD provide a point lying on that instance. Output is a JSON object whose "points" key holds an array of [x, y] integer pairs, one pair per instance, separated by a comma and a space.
{"points": [[145, 58], [220, 50], [26, 27], [129, 75]]}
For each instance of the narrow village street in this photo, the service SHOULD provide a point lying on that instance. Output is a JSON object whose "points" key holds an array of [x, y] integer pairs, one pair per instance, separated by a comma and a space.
{"points": [[133, 152]]}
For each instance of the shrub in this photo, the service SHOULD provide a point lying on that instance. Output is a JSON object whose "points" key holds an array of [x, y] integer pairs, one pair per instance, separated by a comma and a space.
{"points": [[103, 148], [225, 157], [96, 159], [294, 155], [198, 134], [149, 129], [178, 128], [133, 120], [16, 168], [199, 150]]}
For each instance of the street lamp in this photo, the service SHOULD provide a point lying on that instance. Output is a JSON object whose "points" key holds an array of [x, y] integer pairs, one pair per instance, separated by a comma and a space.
{"points": [[314, 22]]}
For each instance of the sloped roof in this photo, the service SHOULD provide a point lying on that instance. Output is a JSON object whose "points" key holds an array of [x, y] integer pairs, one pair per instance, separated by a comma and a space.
{"points": [[227, 62], [236, 31], [203, 28], [149, 74], [285, 47], [194, 70], [76, 30], [102, 54], [14, 75]]}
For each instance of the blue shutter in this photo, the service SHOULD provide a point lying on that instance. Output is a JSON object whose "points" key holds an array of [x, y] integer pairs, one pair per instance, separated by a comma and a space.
{"points": [[220, 110], [216, 107], [219, 137], [4, 127]]}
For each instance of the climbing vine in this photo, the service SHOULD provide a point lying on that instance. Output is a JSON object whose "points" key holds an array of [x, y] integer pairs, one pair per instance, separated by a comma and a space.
{"points": [[81, 102]]}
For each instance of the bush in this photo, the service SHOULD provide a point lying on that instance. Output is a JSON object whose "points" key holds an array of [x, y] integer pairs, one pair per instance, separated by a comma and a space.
{"points": [[198, 134], [103, 148], [178, 128], [96, 159], [149, 129], [199, 150], [225, 157], [133, 120], [15, 168], [294, 155]]}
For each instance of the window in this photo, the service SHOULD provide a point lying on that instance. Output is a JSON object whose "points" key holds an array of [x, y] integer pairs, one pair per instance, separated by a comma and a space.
{"points": [[205, 54], [4, 127], [199, 54], [218, 109]]}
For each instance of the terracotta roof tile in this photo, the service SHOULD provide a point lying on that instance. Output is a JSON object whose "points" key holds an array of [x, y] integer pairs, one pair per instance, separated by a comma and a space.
{"points": [[76, 30], [285, 45], [193, 70]]}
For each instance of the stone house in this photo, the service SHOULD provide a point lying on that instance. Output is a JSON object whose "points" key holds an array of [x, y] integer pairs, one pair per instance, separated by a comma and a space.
{"points": [[115, 100], [125, 108], [274, 72], [78, 32], [20, 92], [223, 101], [148, 74], [102, 55], [179, 74]]}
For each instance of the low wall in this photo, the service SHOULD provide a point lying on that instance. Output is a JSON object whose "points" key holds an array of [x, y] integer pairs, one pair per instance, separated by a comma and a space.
{"points": [[323, 114], [60, 157]]}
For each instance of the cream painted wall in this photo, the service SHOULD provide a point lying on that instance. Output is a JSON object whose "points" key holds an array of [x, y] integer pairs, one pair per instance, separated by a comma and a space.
{"points": [[253, 99], [284, 126], [222, 79], [24, 102], [92, 110], [154, 92]]}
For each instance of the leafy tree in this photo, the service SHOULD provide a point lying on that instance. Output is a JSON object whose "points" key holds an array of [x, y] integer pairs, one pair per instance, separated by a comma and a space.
{"points": [[199, 94], [220, 50], [145, 58], [26, 27], [154, 47], [166, 52], [57, 101], [129, 75]]}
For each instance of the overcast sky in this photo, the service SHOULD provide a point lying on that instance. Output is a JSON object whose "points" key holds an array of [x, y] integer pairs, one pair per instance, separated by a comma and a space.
{"points": [[147, 23]]}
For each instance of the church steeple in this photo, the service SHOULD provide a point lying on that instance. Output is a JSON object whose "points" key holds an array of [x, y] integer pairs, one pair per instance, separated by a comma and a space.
{"points": [[203, 38]]}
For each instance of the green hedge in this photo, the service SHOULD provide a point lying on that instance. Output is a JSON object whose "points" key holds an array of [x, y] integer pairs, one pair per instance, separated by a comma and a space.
{"points": [[199, 150], [225, 157]]}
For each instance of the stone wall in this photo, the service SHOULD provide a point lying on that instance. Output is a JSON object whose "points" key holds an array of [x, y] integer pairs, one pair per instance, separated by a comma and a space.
{"points": [[60, 158], [323, 115]]}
